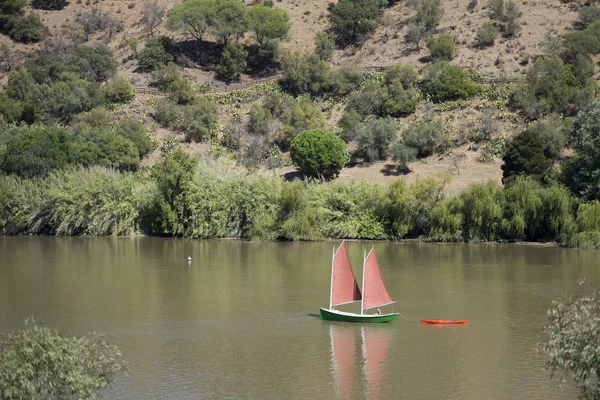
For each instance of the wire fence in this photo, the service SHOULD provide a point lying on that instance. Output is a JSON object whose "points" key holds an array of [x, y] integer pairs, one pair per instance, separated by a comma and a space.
{"points": [[221, 87]]}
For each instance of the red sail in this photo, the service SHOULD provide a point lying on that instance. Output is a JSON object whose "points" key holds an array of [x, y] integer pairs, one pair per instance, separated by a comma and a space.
{"points": [[375, 293], [344, 287]]}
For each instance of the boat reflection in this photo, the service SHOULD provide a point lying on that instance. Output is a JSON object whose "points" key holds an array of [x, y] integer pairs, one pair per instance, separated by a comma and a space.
{"points": [[375, 342]]}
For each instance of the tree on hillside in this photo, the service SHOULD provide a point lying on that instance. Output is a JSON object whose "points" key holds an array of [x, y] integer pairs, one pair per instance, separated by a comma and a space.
{"points": [[39, 363], [49, 4], [524, 155], [152, 15], [268, 23], [10, 9], [192, 16], [97, 63], [374, 138], [233, 61], [583, 172], [352, 19], [318, 153], [572, 342], [27, 29], [429, 13], [229, 20]]}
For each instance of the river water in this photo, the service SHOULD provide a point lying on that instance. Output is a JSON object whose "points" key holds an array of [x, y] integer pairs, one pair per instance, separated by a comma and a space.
{"points": [[240, 321]]}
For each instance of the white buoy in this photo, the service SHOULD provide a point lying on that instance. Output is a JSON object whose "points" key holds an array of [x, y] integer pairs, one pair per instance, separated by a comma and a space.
{"points": [[189, 258]]}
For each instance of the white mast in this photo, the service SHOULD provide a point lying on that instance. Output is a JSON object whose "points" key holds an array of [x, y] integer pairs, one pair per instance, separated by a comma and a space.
{"points": [[331, 287], [362, 291]]}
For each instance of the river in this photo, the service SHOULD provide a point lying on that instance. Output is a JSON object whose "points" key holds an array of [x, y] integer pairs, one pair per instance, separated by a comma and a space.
{"points": [[240, 321]]}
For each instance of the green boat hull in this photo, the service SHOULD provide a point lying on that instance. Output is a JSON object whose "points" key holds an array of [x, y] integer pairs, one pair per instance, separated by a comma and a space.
{"points": [[335, 315]]}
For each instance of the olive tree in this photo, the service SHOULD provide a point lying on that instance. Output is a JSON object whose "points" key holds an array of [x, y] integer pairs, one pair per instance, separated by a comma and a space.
{"points": [[318, 153], [40, 363], [572, 342]]}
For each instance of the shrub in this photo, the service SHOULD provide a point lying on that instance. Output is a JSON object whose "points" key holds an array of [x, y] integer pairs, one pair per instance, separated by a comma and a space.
{"points": [[260, 118], [168, 113], [164, 75], [449, 82], [40, 360], [429, 13], [119, 90], [345, 80], [403, 154], [416, 33], [525, 155], [37, 152], [47, 68], [180, 91], [324, 45], [27, 29], [352, 19], [233, 62], [441, 47], [49, 4], [199, 119], [318, 153], [486, 34], [268, 24], [589, 14], [306, 74], [98, 20], [302, 116], [137, 133], [97, 63], [426, 138], [368, 101], [374, 138], [156, 52]]}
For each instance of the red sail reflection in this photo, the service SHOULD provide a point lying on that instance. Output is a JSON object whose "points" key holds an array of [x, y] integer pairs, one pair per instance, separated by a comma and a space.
{"points": [[375, 343]]}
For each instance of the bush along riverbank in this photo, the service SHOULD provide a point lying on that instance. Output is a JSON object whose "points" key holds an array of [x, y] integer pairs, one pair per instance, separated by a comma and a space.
{"points": [[184, 198]]}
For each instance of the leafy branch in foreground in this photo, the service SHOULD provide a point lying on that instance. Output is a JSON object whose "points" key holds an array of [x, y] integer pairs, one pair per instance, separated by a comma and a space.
{"points": [[572, 342], [39, 363]]}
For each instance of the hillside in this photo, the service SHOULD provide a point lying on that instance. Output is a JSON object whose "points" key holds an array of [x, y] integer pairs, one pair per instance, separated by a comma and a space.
{"points": [[386, 45]]}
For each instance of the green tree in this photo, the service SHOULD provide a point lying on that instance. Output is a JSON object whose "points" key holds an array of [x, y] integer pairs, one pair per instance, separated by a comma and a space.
{"points": [[525, 155], [306, 74], [229, 20], [324, 45], [352, 19], [39, 363], [448, 82], [486, 34], [137, 133], [318, 153], [27, 29], [199, 119], [192, 16], [589, 14], [47, 68], [426, 138], [571, 342], [268, 23], [482, 206], [403, 154], [583, 172], [155, 53], [374, 138], [119, 90], [49, 4], [441, 47], [233, 62], [37, 152], [172, 174], [97, 62], [429, 13]]}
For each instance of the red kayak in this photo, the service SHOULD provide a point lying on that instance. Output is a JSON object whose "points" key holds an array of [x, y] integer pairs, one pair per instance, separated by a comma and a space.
{"points": [[445, 321]]}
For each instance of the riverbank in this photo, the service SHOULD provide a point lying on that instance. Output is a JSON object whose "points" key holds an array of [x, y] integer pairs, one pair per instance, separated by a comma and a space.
{"points": [[183, 199]]}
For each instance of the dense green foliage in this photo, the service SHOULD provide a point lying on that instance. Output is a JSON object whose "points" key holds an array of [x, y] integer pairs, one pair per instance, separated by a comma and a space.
{"points": [[39, 363], [441, 47], [49, 4], [351, 20], [233, 62], [571, 342], [119, 90], [525, 155], [268, 23], [26, 29], [374, 138], [155, 53], [486, 34], [448, 82], [96, 63], [318, 153], [324, 45], [583, 170]]}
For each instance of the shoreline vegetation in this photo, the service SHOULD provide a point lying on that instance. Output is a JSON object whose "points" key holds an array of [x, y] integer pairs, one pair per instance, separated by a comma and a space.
{"points": [[184, 196]]}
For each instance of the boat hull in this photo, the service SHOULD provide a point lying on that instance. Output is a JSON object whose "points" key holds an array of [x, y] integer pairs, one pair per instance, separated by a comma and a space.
{"points": [[335, 315], [445, 321]]}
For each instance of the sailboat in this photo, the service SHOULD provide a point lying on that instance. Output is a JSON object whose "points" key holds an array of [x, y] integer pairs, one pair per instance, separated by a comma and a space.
{"points": [[344, 289]]}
